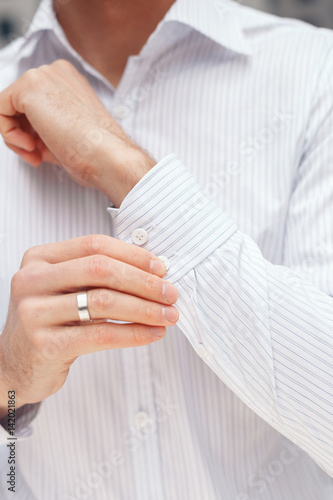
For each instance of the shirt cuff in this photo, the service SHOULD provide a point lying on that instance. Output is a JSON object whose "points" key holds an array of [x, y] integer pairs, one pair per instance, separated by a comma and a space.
{"points": [[176, 219], [23, 417]]}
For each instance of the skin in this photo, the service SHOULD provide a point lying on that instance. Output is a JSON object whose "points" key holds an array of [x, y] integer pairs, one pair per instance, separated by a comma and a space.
{"points": [[43, 337], [121, 26], [52, 114]]}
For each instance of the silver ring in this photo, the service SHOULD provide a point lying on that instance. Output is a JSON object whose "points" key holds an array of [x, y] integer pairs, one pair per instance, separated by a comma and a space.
{"points": [[82, 306]]}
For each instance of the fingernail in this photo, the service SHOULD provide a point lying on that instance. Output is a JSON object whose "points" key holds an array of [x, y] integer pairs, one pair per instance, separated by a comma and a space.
{"points": [[169, 292], [157, 267], [158, 331], [170, 314]]}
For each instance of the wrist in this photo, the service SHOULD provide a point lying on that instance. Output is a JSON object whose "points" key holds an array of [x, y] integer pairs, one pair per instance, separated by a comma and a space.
{"points": [[9, 403], [5, 402], [3, 411], [9, 399], [120, 169]]}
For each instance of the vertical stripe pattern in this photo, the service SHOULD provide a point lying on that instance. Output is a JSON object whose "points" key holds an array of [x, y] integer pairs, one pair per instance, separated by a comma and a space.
{"points": [[236, 401]]}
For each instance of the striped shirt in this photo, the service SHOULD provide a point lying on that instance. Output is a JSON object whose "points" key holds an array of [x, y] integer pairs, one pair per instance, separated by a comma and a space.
{"points": [[236, 401]]}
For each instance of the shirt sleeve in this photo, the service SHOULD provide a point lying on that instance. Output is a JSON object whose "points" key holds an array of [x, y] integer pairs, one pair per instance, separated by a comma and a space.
{"points": [[23, 417], [266, 330]]}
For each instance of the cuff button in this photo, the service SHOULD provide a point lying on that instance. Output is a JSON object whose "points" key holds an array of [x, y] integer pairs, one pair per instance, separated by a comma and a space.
{"points": [[165, 260], [140, 237]]}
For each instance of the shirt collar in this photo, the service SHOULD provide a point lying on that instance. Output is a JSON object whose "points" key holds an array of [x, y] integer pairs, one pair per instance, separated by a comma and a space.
{"points": [[216, 19], [44, 19]]}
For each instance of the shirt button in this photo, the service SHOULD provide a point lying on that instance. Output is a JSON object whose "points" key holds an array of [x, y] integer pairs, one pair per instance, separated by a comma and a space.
{"points": [[165, 260], [202, 351], [141, 419], [120, 112], [139, 236]]}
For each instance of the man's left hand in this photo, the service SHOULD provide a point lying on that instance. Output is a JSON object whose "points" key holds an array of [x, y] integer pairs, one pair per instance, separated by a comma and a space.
{"points": [[52, 114]]}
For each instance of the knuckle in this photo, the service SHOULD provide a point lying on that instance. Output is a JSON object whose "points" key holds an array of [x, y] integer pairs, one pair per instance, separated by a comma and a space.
{"points": [[62, 64], [45, 68], [31, 76], [138, 334], [94, 244], [101, 300], [98, 265], [146, 259], [142, 256], [27, 84], [136, 252], [31, 255], [103, 334], [149, 283], [42, 348], [26, 310], [149, 310], [16, 282], [20, 281], [122, 275]]}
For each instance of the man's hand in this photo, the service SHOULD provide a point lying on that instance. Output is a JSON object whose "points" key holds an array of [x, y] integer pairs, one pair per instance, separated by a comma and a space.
{"points": [[43, 336], [51, 114]]}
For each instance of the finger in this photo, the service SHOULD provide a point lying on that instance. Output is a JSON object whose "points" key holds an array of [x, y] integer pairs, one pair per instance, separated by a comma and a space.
{"points": [[7, 107], [104, 304], [45, 154], [96, 244], [14, 134], [92, 337], [20, 137], [34, 159], [97, 271]]}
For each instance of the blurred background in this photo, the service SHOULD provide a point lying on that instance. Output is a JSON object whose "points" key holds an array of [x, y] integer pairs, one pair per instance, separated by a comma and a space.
{"points": [[15, 15]]}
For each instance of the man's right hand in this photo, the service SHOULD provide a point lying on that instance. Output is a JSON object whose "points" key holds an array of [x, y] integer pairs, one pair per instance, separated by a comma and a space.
{"points": [[43, 335]]}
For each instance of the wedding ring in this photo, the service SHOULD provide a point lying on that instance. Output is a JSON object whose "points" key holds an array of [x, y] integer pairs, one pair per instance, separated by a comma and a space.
{"points": [[82, 305]]}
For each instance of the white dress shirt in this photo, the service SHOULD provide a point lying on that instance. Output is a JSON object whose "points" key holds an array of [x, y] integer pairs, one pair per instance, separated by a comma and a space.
{"points": [[236, 402]]}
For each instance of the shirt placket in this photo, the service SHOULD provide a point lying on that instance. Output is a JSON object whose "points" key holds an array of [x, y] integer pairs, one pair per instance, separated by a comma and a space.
{"points": [[142, 437]]}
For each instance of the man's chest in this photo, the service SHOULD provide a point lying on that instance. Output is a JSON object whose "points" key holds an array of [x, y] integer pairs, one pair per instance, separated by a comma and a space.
{"points": [[242, 151]]}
